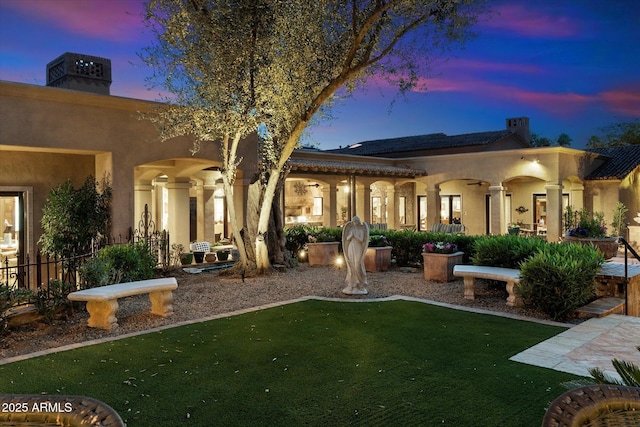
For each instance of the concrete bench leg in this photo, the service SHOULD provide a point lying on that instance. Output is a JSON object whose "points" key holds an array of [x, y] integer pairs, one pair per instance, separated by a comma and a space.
{"points": [[470, 288], [512, 299], [102, 314], [161, 303]]}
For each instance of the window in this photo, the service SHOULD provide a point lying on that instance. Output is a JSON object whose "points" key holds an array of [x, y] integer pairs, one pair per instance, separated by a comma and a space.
{"points": [[402, 209], [317, 206]]}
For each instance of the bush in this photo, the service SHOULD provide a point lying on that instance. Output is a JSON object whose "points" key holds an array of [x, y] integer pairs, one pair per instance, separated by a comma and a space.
{"points": [[11, 298], [559, 278], [72, 218], [52, 301], [507, 251], [117, 264]]}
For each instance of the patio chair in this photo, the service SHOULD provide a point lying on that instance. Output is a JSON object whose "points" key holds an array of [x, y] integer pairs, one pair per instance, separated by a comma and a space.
{"points": [[55, 410], [595, 405]]}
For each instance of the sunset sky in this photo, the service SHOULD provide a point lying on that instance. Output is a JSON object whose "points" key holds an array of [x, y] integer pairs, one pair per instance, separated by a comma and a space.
{"points": [[572, 66]]}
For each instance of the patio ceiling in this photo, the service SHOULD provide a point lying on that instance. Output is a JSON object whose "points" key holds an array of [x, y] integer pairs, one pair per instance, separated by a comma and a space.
{"points": [[353, 168]]}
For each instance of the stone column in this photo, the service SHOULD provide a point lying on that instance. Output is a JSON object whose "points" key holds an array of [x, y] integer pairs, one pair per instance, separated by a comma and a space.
{"points": [[208, 202], [392, 211], [363, 202], [433, 205], [497, 222], [329, 205], [178, 205], [554, 211]]}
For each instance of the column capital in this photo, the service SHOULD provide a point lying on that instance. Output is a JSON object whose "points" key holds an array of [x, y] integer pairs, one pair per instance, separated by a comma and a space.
{"points": [[551, 185]]}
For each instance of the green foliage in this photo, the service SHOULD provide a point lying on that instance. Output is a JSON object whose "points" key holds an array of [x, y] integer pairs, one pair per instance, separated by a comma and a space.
{"points": [[52, 301], [378, 240], [297, 237], [233, 68], [559, 278], [537, 140], [11, 298], [507, 251], [71, 218], [117, 264], [619, 219], [616, 135], [406, 244], [586, 223]]}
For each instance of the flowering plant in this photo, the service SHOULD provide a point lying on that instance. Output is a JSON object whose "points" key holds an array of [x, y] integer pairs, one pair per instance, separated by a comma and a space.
{"points": [[587, 224], [378, 241], [440, 248]]}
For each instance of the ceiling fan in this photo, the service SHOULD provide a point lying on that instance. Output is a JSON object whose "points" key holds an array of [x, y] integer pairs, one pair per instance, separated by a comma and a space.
{"points": [[478, 183]]}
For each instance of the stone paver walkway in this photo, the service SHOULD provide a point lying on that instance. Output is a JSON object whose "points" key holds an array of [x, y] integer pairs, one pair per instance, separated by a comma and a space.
{"points": [[590, 344]]}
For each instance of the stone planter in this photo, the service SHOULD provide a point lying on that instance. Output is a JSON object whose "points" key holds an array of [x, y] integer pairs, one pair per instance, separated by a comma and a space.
{"points": [[323, 253], [607, 245], [439, 267], [377, 258]]}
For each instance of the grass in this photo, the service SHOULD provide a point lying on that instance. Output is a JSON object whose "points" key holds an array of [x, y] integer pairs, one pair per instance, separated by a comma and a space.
{"points": [[312, 363]]}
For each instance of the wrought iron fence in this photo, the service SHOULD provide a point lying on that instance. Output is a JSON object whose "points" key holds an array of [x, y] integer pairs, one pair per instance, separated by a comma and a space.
{"points": [[37, 272]]}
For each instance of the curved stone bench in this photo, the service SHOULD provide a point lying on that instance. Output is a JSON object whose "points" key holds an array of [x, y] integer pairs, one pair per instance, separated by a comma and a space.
{"points": [[54, 410], [102, 302], [472, 272]]}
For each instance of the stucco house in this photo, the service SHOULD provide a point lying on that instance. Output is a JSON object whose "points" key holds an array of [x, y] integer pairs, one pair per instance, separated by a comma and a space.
{"points": [[73, 128]]}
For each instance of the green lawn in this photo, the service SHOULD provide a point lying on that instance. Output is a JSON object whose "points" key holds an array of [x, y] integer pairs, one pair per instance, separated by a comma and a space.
{"points": [[313, 363]]}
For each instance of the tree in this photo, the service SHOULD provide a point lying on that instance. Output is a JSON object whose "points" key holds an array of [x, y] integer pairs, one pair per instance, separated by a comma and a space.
{"points": [[73, 218], [539, 141], [563, 140], [616, 135], [285, 61]]}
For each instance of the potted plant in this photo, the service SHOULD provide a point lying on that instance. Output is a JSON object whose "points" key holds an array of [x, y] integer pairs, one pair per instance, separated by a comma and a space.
{"points": [[179, 255], [223, 254], [322, 248], [588, 228], [513, 228], [439, 258], [378, 255]]}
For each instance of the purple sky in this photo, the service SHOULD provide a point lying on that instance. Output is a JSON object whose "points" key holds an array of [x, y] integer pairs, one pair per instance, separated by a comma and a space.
{"points": [[572, 66]]}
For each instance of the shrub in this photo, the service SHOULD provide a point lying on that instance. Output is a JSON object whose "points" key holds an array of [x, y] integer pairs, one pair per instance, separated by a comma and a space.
{"points": [[51, 301], [559, 278], [507, 251], [586, 224], [11, 298], [299, 235], [117, 264], [71, 218], [378, 241]]}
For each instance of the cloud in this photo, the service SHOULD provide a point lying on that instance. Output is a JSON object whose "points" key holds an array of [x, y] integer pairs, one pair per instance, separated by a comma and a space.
{"points": [[623, 101], [115, 20], [525, 20]]}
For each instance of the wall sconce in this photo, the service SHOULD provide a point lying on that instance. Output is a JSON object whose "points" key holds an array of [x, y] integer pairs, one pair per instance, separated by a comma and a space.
{"points": [[533, 161]]}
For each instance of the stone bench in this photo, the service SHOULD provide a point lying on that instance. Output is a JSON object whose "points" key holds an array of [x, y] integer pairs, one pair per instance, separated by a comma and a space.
{"points": [[472, 272], [102, 302]]}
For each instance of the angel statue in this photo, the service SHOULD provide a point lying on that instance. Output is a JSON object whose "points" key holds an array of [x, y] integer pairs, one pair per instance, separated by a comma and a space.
{"points": [[355, 239]]}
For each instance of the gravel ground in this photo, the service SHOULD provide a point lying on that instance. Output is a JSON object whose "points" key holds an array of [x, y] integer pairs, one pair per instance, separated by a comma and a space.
{"points": [[210, 293]]}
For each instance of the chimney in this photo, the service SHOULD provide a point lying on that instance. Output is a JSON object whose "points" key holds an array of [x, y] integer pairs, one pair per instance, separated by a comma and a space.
{"points": [[520, 126], [76, 71]]}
